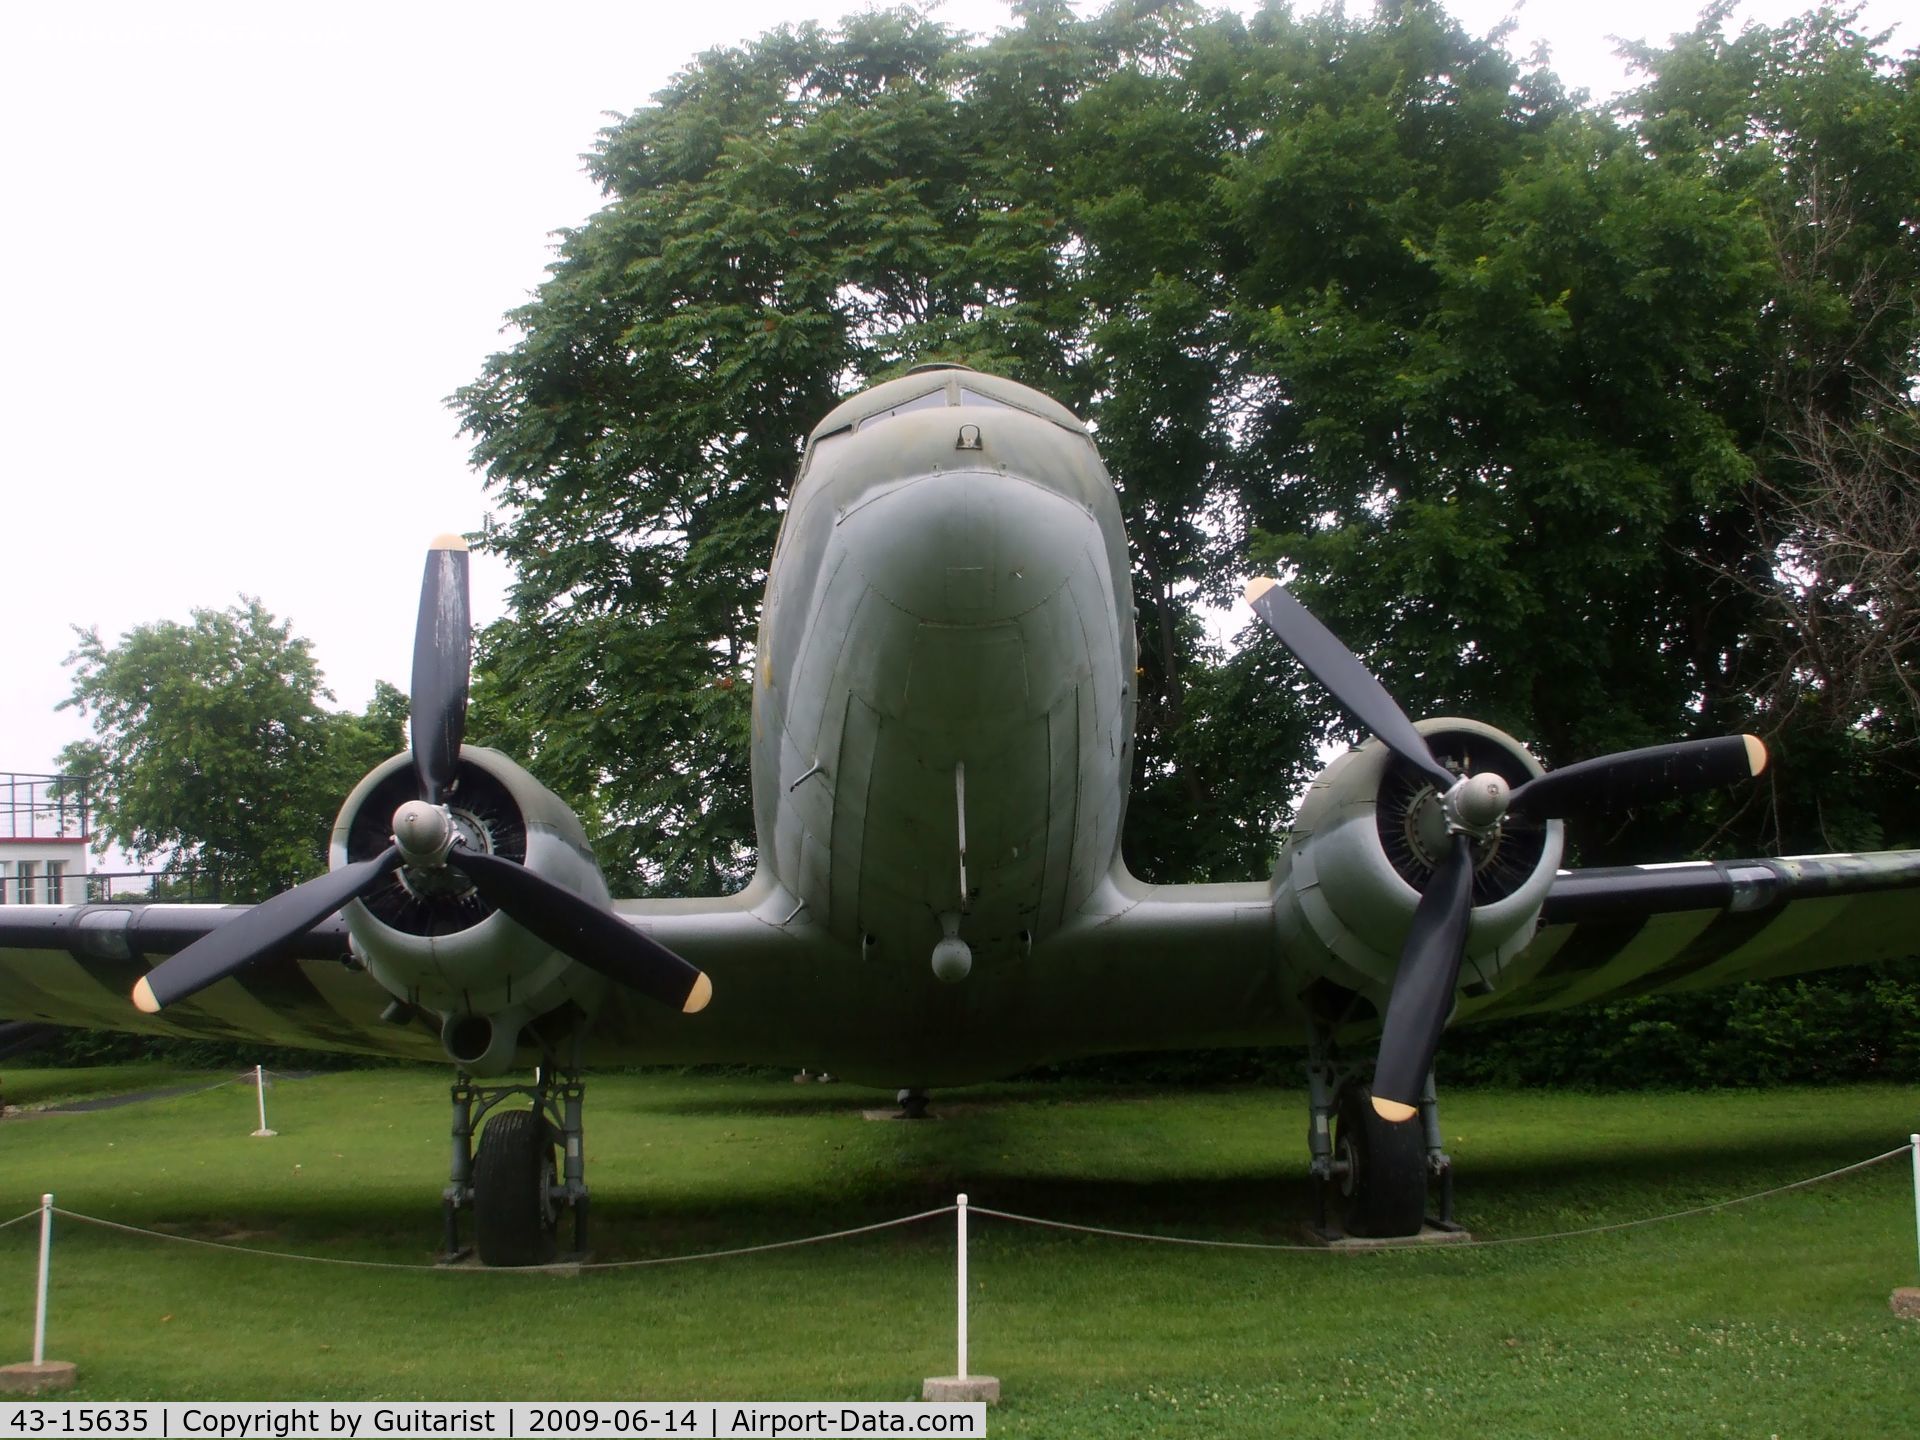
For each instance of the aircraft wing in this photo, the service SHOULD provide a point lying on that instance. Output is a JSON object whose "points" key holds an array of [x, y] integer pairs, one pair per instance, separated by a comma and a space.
{"points": [[1608, 934], [1189, 957], [76, 965]]}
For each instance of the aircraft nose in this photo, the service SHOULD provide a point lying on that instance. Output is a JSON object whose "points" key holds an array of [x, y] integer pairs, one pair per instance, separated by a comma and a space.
{"points": [[967, 548]]}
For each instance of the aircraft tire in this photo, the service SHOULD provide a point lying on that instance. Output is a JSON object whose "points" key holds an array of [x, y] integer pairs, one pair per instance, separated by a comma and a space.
{"points": [[1385, 1187], [514, 1221]]}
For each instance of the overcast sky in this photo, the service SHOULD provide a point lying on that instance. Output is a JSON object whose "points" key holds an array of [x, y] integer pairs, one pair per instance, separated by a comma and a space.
{"points": [[249, 249]]}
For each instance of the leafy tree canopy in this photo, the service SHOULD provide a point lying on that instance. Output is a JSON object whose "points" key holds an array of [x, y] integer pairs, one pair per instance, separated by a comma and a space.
{"points": [[1495, 376], [212, 750]]}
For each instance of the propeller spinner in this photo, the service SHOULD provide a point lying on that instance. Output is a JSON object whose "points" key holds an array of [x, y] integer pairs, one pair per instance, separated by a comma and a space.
{"points": [[1474, 807], [427, 841]]}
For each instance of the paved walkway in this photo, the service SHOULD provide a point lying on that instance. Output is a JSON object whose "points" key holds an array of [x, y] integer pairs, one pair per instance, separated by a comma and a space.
{"points": [[135, 1097]]}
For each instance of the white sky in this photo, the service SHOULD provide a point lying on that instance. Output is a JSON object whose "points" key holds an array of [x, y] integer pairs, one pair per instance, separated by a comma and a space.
{"points": [[250, 247]]}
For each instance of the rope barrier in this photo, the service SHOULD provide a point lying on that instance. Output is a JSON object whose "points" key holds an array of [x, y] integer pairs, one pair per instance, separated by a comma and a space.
{"points": [[1146, 1235], [567, 1266], [1410, 1242], [1701, 1209], [1034, 1220]]}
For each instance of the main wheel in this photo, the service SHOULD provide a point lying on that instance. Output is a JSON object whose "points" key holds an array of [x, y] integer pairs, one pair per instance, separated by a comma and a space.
{"points": [[514, 1220], [913, 1104], [1384, 1184]]}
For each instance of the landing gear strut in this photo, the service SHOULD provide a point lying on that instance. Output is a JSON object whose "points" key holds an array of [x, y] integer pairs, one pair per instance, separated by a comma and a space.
{"points": [[513, 1185], [1378, 1172]]}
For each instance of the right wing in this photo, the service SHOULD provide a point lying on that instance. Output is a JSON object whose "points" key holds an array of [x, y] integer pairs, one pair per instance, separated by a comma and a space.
{"points": [[1608, 934], [76, 965]]}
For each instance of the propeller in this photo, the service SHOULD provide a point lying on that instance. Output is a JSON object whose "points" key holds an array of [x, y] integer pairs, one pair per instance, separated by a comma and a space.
{"points": [[1475, 806], [425, 839], [442, 657]]}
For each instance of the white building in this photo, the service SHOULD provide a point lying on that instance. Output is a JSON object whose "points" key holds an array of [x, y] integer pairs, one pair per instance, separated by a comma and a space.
{"points": [[43, 839]]}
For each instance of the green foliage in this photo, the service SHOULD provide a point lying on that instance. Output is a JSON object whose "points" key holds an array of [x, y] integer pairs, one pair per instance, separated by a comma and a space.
{"points": [[1815, 131], [1496, 376], [212, 752], [1849, 1025]]}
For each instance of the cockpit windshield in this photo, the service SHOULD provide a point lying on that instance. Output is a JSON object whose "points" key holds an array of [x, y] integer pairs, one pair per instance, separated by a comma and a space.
{"points": [[974, 397], [933, 399]]}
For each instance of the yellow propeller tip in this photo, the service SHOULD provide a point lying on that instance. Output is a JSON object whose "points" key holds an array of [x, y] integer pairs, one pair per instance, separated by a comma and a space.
{"points": [[1756, 753], [143, 997], [1392, 1111], [448, 542], [698, 997], [1259, 586]]}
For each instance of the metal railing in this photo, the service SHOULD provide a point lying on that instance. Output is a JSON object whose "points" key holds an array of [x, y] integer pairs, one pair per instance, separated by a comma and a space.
{"points": [[43, 807], [133, 887], [188, 886]]}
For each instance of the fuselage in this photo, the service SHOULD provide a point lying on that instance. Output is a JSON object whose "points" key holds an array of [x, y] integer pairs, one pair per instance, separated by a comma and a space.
{"points": [[943, 705]]}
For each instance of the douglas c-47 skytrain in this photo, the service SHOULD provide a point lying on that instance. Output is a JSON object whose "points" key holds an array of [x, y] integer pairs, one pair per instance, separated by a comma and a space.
{"points": [[942, 727]]}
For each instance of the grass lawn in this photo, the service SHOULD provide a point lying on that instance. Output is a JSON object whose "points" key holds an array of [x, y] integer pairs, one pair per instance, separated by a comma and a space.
{"points": [[1769, 1319]]}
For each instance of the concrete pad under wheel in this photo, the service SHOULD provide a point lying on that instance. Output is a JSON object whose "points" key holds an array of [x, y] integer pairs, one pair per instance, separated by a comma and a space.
{"points": [[961, 1387], [895, 1115], [1429, 1235], [28, 1378], [567, 1267]]}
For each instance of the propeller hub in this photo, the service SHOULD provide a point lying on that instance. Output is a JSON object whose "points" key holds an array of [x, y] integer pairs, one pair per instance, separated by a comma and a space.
{"points": [[1476, 804], [424, 834]]}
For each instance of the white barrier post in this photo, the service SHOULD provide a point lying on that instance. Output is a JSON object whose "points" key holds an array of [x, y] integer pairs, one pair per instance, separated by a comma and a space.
{"points": [[960, 1215], [40, 1304], [260, 1089], [1915, 1141], [961, 1385], [39, 1375]]}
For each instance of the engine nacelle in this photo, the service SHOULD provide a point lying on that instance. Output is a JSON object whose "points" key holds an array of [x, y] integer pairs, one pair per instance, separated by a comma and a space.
{"points": [[1366, 841], [432, 942]]}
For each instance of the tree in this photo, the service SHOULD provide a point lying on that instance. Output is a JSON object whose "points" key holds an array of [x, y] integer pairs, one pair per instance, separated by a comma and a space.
{"points": [[212, 751], [1817, 133], [1483, 370]]}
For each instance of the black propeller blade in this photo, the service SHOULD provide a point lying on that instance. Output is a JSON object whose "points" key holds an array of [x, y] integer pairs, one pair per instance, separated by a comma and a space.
{"points": [[442, 657], [255, 932], [1346, 679], [584, 931], [1614, 781], [1430, 956], [1422, 994]]}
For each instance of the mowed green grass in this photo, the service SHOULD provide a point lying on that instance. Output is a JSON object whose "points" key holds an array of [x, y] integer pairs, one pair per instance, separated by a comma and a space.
{"points": [[1769, 1319]]}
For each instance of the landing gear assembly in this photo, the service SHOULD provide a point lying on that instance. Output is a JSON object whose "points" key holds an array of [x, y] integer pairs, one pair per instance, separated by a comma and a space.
{"points": [[1378, 1172], [513, 1184]]}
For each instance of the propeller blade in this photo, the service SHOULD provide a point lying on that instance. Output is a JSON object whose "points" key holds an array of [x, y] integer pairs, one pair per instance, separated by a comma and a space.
{"points": [[1423, 987], [1613, 781], [1346, 679], [442, 656], [254, 933], [582, 930]]}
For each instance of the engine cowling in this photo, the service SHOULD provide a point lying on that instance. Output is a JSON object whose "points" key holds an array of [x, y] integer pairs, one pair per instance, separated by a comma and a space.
{"points": [[432, 942], [1365, 842]]}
